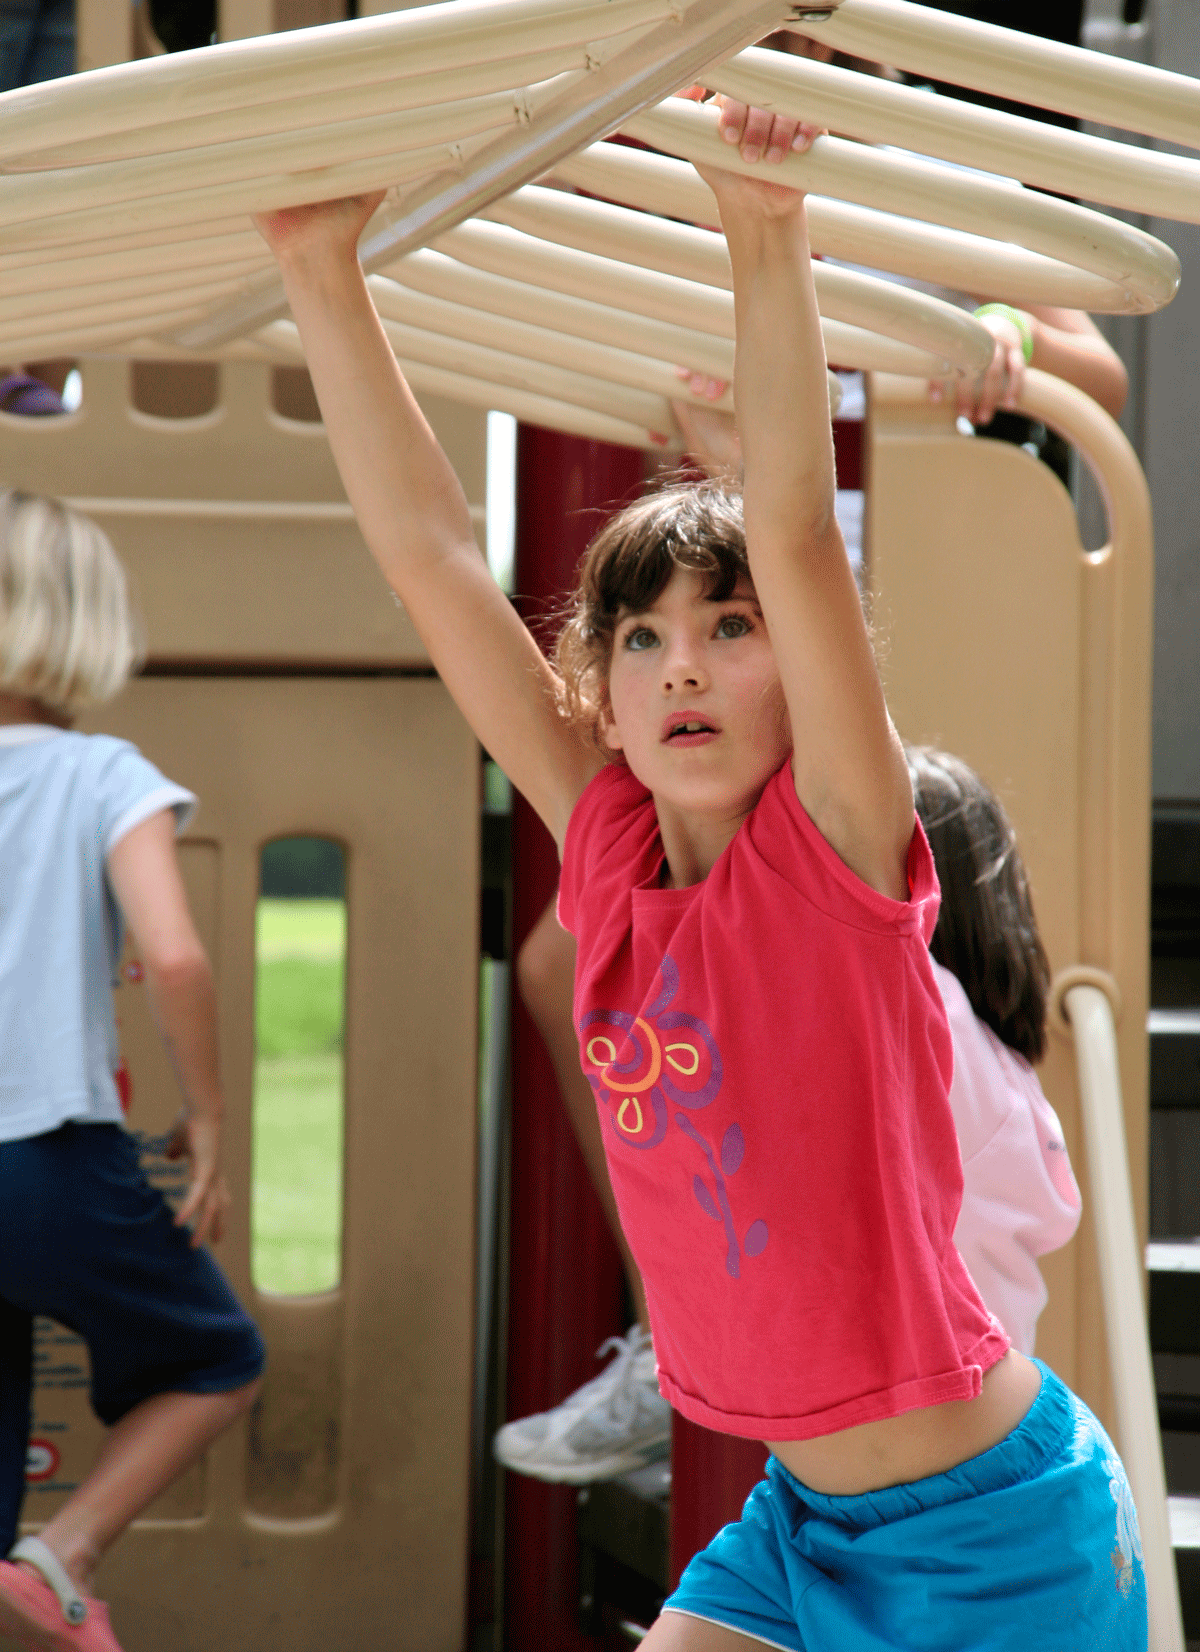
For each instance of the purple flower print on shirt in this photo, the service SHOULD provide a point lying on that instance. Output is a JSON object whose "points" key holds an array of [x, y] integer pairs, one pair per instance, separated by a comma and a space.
{"points": [[666, 1056]]}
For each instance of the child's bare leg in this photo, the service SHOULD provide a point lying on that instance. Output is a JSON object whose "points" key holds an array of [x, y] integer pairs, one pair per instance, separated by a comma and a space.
{"points": [[674, 1632], [545, 976], [148, 1449]]}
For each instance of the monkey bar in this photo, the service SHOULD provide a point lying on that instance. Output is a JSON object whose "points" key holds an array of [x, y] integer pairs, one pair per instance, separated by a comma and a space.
{"points": [[457, 108]]}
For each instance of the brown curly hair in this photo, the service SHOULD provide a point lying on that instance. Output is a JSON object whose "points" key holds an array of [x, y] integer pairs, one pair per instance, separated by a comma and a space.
{"points": [[695, 525]]}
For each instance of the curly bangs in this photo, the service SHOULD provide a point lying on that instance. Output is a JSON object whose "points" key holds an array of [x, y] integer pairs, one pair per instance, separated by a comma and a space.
{"points": [[692, 525]]}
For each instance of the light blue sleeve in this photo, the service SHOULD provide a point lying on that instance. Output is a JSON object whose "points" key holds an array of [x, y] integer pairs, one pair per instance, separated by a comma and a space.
{"points": [[129, 789]]}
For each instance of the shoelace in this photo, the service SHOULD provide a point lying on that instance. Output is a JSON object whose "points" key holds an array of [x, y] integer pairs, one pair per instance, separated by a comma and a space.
{"points": [[625, 1399]]}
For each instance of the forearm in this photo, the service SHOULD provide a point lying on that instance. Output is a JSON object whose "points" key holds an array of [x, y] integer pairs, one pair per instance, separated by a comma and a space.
{"points": [[1084, 359], [406, 497], [183, 1002], [780, 388]]}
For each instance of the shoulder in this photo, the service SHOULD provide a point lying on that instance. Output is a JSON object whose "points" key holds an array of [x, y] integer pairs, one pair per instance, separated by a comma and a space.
{"points": [[781, 835], [128, 788], [990, 1081], [612, 828]]}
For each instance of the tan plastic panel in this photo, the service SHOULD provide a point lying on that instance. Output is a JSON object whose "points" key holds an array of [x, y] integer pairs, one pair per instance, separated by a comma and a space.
{"points": [[337, 1518], [986, 608], [234, 526]]}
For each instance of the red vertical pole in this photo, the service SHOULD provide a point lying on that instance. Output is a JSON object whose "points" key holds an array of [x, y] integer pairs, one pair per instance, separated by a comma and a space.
{"points": [[565, 1285], [711, 1477]]}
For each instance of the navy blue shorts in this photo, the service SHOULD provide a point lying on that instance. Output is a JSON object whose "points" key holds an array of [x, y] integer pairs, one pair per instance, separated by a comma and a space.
{"points": [[1031, 1547], [86, 1240]]}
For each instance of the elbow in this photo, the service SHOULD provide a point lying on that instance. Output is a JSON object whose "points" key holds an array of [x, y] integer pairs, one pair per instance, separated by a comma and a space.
{"points": [[176, 966], [1116, 389]]}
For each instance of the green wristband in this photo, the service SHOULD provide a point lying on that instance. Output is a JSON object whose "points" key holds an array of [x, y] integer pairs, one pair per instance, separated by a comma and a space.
{"points": [[1019, 320]]}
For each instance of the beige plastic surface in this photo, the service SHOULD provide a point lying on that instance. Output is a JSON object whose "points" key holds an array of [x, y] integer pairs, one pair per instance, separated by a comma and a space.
{"points": [[1003, 641], [986, 608], [1119, 1253], [337, 1519], [234, 526]]}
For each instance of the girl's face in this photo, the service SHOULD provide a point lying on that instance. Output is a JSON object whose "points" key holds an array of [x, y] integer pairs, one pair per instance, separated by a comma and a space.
{"points": [[695, 701]]}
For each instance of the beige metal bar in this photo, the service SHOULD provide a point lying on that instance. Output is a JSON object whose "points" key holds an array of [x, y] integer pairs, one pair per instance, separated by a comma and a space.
{"points": [[92, 272], [667, 57], [856, 234], [538, 377], [28, 299], [604, 281], [201, 241], [410, 313], [1019, 67], [507, 252], [1121, 1284], [923, 189], [215, 203], [315, 63], [431, 272], [603, 230], [530, 405], [84, 337], [287, 114], [174, 176], [882, 112], [610, 359]]}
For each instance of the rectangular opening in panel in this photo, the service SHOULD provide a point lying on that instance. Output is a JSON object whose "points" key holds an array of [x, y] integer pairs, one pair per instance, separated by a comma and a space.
{"points": [[300, 973]]}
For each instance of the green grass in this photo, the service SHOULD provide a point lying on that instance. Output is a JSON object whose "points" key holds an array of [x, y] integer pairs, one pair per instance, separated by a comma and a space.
{"points": [[296, 1199]]}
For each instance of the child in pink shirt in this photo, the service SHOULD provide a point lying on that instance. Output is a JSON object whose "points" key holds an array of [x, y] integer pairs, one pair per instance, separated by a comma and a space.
{"points": [[1020, 1198]]}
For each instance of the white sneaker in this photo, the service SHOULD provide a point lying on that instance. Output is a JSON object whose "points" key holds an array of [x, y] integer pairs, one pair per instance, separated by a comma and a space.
{"points": [[615, 1423]]}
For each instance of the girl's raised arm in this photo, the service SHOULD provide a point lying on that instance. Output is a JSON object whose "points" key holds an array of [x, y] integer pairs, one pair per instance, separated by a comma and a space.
{"points": [[413, 514], [848, 763]]}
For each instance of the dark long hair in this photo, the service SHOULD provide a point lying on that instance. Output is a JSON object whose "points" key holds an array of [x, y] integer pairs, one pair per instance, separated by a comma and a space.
{"points": [[986, 931]]}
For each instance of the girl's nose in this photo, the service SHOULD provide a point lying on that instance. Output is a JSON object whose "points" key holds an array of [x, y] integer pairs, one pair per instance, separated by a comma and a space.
{"points": [[683, 666]]}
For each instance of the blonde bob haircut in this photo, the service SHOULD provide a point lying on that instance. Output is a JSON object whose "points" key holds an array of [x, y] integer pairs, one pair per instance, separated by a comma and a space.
{"points": [[67, 637]]}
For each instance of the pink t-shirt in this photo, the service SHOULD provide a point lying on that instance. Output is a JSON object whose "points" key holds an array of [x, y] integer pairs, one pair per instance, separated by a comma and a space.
{"points": [[1020, 1198], [771, 1062]]}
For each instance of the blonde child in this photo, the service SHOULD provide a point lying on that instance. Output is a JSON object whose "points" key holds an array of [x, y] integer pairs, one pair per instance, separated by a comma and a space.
{"points": [[87, 830], [755, 1003]]}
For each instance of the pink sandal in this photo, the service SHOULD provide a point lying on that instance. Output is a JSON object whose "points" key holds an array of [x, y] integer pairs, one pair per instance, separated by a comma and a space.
{"points": [[49, 1616]]}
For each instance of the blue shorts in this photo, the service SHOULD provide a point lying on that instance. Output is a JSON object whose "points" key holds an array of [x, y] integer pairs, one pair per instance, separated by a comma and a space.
{"points": [[1031, 1547], [86, 1240]]}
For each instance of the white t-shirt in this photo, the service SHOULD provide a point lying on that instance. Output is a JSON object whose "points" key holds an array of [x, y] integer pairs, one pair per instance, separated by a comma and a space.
{"points": [[1020, 1198], [65, 800]]}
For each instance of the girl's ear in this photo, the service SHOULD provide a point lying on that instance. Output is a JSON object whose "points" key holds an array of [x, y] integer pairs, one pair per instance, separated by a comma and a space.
{"points": [[609, 733], [609, 736]]}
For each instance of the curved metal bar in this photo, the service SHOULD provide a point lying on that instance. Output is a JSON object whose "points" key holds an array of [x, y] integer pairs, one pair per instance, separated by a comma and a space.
{"points": [[431, 272], [1124, 1314], [281, 341], [616, 233], [1016, 66], [924, 189], [293, 114], [466, 340], [856, 234], [170, 179], [668, 56], [314, 63], [880, 111]]}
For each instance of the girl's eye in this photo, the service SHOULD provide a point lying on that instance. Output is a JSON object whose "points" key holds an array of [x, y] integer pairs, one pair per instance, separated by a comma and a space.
{"points": [[733, 625], [640, 637]]}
